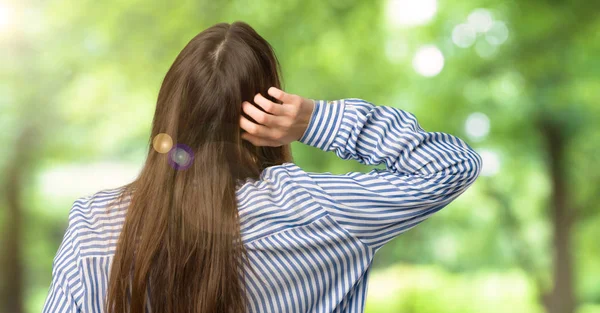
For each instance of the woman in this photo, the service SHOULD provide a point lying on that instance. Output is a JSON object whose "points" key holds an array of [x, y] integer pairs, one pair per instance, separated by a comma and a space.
{"points": [[221, 220]]}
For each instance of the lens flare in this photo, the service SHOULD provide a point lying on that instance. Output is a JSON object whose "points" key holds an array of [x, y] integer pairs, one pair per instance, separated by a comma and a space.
{"points": [[181, 157], [162, 143]]}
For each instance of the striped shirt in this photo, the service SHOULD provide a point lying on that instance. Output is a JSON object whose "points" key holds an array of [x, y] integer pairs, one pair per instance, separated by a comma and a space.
{"points": [[311, 237]]}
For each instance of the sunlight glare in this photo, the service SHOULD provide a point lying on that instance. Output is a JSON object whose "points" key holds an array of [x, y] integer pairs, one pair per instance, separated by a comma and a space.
{"points": [[5, 16]]}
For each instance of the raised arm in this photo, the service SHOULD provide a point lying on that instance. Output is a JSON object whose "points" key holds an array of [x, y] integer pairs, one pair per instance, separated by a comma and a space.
{"points": [[424, 170]]}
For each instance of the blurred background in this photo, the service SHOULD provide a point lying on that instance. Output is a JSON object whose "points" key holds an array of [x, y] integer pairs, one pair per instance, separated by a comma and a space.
{"points": [[518, 80]]}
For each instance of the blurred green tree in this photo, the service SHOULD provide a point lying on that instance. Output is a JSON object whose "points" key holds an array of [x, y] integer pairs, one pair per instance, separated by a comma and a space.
{"points": [[79, 81]]}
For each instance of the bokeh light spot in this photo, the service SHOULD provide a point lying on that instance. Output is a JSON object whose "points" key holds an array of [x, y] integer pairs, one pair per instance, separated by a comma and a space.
{"points": [[507, 90], [410, 12], [181, 157], [428, 61], [497, 34], [162, 143], [485, 50], [477, 125], [446, 248], [481, 20], [396, 50], [463, 35], [491, 163]]}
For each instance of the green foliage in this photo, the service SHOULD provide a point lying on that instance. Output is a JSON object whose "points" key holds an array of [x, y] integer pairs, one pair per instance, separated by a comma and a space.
{"points": [[81, 77], [430, 289]]}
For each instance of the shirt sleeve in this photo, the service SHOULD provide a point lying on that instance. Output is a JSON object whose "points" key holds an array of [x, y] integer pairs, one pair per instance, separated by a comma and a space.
{"points": [[59, 301], [66, 283], [424, 171]]}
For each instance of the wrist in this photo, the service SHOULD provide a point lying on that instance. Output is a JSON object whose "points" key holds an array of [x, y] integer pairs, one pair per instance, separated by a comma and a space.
{"points": [[307, 114]]}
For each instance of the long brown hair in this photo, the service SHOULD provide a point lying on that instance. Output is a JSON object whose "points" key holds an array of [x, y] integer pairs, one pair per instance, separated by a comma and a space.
{"points": [[180, 245]]}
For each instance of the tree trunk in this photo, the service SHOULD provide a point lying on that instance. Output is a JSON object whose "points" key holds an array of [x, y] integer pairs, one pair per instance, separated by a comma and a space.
{"points": [[561, 298], [13, 259], [13, 294]]}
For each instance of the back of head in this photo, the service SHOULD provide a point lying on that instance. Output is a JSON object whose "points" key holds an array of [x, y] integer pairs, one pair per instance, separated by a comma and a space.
{"points": [[200, 99], [180, 242]]}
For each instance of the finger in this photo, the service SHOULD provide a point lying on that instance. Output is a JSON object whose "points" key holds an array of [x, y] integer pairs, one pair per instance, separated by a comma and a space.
{"points": [[253, 128], [259, 141], [268, 105], [259, 116], [263, 118], [282, 95]]}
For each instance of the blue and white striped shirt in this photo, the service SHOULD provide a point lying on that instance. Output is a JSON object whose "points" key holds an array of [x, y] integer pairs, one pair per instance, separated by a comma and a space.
{"points": [[310, 236]]}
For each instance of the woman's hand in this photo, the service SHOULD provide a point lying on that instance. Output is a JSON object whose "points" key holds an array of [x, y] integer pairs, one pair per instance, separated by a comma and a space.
{"points": [[281, 123]]}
